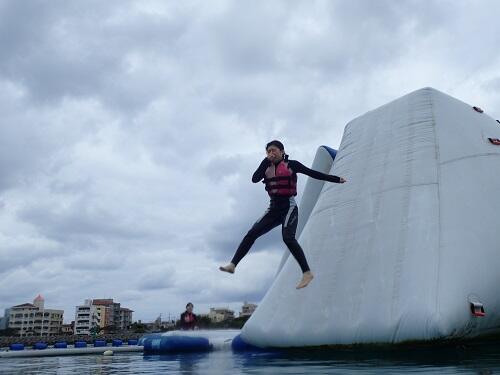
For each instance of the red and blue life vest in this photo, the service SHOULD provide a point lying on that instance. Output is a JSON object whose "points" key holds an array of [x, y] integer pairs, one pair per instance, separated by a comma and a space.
{"points": [[280, 180]]}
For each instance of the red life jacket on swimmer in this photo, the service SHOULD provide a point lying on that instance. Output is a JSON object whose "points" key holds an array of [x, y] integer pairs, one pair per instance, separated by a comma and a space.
{"points": [[280, 180]]}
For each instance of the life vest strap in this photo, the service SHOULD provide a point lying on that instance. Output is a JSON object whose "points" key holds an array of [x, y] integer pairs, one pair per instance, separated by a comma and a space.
{"points": [[277, 178]]}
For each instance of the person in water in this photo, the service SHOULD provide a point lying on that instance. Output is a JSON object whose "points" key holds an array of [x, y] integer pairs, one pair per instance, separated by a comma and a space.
{"points": [[188, 319], [280, 178]]}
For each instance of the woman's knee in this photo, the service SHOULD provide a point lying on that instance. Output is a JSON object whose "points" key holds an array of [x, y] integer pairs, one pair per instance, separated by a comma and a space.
{"points": [[251, 235], [289, 240]]}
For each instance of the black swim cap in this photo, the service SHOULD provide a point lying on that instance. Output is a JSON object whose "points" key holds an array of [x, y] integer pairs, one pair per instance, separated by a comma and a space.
{"points": [[277, 144]]}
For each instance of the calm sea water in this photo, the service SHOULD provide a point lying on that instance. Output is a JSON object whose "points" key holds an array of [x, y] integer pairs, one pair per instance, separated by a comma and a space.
{"points": [[484, 359]]}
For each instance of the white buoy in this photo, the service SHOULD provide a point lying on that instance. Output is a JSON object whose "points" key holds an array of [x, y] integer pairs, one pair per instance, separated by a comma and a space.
{"points": [[108, 352]]}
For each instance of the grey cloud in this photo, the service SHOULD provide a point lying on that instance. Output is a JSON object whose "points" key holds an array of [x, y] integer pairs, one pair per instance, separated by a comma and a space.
{"points": [[94, 260], [161, 278], [356, 37], [222, 167], [81, 50], [83, 219], [17, 256], [248, 35], [130, 130], [35, 55], [23, 147], [259, 103], [37, 143], [20, 283], [17, 40]]}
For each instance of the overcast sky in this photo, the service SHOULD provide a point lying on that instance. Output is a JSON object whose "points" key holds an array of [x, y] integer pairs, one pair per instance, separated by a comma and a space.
{"points": [[129, 130]]}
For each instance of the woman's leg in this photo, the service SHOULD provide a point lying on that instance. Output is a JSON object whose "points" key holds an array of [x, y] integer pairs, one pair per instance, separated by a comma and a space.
{"points": [[288, 230], [262, 226]]}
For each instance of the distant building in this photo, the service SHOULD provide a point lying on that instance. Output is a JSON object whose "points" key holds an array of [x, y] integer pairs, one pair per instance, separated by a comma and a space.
{"points": [[158, 325], [125, 318], [115, 315], [33, 319], [104, 316], [217, 315], [153, 326], [68, 329], [247, 309], [86, 318], [4, 321], [113, 312]]}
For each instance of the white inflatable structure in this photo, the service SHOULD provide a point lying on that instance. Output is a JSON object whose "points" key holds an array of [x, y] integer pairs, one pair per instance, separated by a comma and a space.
{"points": [[409, 247]]}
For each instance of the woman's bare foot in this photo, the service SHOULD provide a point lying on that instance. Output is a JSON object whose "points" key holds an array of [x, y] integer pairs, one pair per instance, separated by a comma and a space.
{"points": [[229, 268], [306, 279]]}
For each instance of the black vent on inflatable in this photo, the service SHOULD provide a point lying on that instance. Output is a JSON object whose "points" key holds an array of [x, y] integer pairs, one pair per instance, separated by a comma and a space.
{"points": [[477, 309], [495, 141]]}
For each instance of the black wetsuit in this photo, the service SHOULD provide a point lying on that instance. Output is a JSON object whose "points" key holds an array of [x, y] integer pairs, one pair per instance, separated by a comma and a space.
{"points": [[282, 211]]}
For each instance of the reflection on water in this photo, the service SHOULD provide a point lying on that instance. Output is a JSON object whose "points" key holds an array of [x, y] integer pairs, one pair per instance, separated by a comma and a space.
{"points": [[471, 359]]}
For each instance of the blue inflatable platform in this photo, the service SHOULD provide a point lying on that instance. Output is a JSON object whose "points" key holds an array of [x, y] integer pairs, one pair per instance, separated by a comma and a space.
{"points": [[194, 341]]}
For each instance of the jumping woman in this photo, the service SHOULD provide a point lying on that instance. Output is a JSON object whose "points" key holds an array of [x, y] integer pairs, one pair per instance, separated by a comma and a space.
{"points": [[280, 178]]}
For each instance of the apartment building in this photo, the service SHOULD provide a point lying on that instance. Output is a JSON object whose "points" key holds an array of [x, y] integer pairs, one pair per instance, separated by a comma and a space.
{"points": [[104, 315], [112, 312], [125, 318], [247, 309], [101, 313], [33, 319], [86, 318], [219, 314], [68, 329], [115, 315]]}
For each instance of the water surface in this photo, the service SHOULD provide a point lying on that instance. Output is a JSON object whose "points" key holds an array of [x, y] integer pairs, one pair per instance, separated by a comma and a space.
{"points": [[478, 359]]}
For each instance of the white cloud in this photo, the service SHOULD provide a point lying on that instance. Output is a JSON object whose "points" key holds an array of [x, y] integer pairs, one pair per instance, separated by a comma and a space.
{"points": [[130, 130]]}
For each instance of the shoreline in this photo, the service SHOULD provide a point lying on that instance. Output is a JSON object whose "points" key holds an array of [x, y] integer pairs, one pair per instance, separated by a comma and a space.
{"points": [[29, 341]]}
